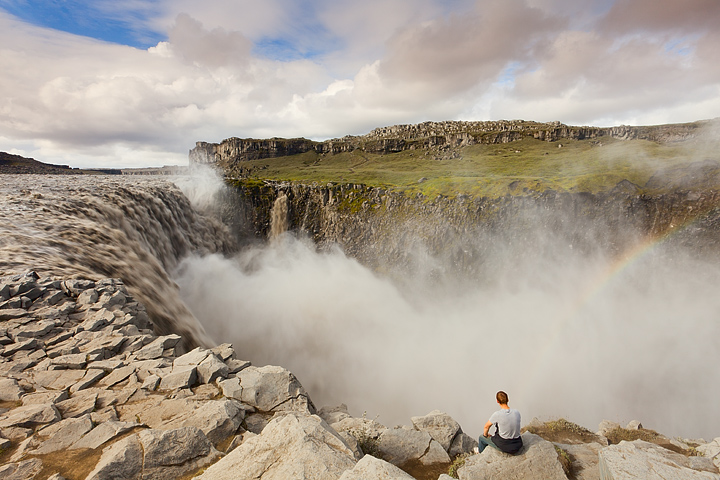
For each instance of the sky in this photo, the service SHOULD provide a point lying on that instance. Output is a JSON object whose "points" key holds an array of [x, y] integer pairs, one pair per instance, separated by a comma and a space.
{"points": [[132, 83]]}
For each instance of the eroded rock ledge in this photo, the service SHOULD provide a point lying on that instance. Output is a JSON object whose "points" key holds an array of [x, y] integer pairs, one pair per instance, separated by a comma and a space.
{"points": [[89, 391], [447, 134]]}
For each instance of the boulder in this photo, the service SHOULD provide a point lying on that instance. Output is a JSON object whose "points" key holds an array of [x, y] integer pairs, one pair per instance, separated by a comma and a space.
{"points": [[183, 376], [211, 369], [91, 376], [400, 446], [334, 414], [103, 433], [292, 446], [371, 468], [156, 348], [441, 427], [272, 388], [711, 450], [118, 375], [584, 459], [120, 461], [174, 453], [193, 357], [78, 404], [462, 443], [10, 390], [63, 434], [30, 416], [218, 419], [25, 470], [640, 459], [537, 459]]}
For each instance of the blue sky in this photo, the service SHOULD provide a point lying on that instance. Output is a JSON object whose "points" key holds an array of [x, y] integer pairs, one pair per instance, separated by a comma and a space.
{"points": [[89, 19], [137, 82]]}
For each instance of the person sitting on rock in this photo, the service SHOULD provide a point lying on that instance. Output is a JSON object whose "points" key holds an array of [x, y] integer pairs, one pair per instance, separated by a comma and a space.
{"points": [[507, 428]]}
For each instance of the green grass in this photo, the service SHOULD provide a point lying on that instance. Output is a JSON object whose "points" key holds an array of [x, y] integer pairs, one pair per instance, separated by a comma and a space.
{"points": [[523, 167]]}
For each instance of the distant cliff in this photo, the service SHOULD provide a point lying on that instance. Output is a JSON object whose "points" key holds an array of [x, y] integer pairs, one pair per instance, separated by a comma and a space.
{"points": [[440, 135]]}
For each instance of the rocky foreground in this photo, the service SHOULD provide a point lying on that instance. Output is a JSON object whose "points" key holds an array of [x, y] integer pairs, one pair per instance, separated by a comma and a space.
{"points": [[89, 391]]}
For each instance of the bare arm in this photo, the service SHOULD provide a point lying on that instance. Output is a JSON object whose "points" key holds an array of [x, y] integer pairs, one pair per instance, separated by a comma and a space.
{"points": [[486, 430]]}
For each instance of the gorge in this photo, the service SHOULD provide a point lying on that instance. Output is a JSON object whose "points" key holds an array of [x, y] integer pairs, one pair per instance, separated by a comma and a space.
{"points": [[587, 305]]}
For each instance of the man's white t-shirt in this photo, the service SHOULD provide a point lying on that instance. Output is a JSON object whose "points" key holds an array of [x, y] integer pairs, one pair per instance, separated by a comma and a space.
{"points": [[508, 423]]}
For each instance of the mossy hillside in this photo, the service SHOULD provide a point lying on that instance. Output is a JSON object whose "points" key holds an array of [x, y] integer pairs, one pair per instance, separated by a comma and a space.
{"points": [[522, 167]]}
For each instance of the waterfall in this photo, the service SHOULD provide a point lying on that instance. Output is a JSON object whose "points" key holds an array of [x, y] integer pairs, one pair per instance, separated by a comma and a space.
{"points": [[136, 229], [279, 216]]}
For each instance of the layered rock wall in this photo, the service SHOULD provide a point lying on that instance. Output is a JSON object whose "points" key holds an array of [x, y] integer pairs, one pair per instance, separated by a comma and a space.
{"points": [[449, 134]]}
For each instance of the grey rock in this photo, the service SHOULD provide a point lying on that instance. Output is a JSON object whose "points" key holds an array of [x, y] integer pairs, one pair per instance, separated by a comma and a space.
{"points": [[63, 434], [634, 425], [441, 427], [53, 298], [181, 377], [371, 468], [173, 453], [10, 390], [34, 329], [40, 398], [77, 405], [192, 358], [400, 446], [57, 379], [87, 297], [235, 366], [106, 365], [120, 461], [30, 416], [537, 459], [606, 426], [711, 450], [231, 388], [224, 351], [292, 446], [73, 361], [273, 388], [218, 419], [103, 433], [118, 375], [91, 376], [30, 344], [151, 383], [25, 470], [211, 369], [584, 459], [156, 348], [334, 414], [102, 415], [640, 459], [462, 443], [77, 286], [256, 423]]}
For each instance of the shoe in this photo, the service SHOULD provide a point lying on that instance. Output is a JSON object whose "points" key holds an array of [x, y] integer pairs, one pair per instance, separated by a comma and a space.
{"points": [[476, 450]]}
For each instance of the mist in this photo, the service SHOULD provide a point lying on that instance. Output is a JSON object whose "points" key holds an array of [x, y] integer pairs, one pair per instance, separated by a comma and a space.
{"points": [[582, 334]]}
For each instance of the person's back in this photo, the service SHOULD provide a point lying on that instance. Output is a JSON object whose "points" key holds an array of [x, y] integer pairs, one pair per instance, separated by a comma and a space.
{"points": [[507, 428]]}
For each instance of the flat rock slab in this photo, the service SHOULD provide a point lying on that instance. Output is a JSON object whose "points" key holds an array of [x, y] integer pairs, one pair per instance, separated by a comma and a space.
{"points": [[63, 434], [103, 433], [24, 470], [293, 446], [639, 459], [537, 459], [120, 461], [77, 405], [57, 379], [10, 390], [30, 416], [371, 468]]}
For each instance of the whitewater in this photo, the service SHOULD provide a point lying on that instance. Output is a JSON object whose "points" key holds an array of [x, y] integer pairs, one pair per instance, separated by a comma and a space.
{"points": [[565, 333]]}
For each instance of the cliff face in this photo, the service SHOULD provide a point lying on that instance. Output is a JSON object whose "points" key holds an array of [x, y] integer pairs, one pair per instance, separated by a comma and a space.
{"points": [[451, 134], [387, 231]]}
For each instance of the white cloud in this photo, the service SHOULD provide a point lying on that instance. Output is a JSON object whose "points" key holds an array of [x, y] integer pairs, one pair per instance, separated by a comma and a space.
{"points": [[368, 64]]}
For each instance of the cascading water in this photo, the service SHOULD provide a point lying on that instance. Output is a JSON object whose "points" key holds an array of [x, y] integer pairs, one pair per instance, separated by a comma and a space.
{"points": [[279, 216], [136, 229]]}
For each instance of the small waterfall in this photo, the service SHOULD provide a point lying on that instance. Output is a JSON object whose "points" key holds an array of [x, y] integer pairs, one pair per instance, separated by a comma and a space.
{"points": [[279, 216]]}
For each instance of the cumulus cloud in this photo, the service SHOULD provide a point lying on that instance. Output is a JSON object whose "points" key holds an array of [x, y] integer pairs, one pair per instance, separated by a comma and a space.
{"points": [[323, 69]]}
